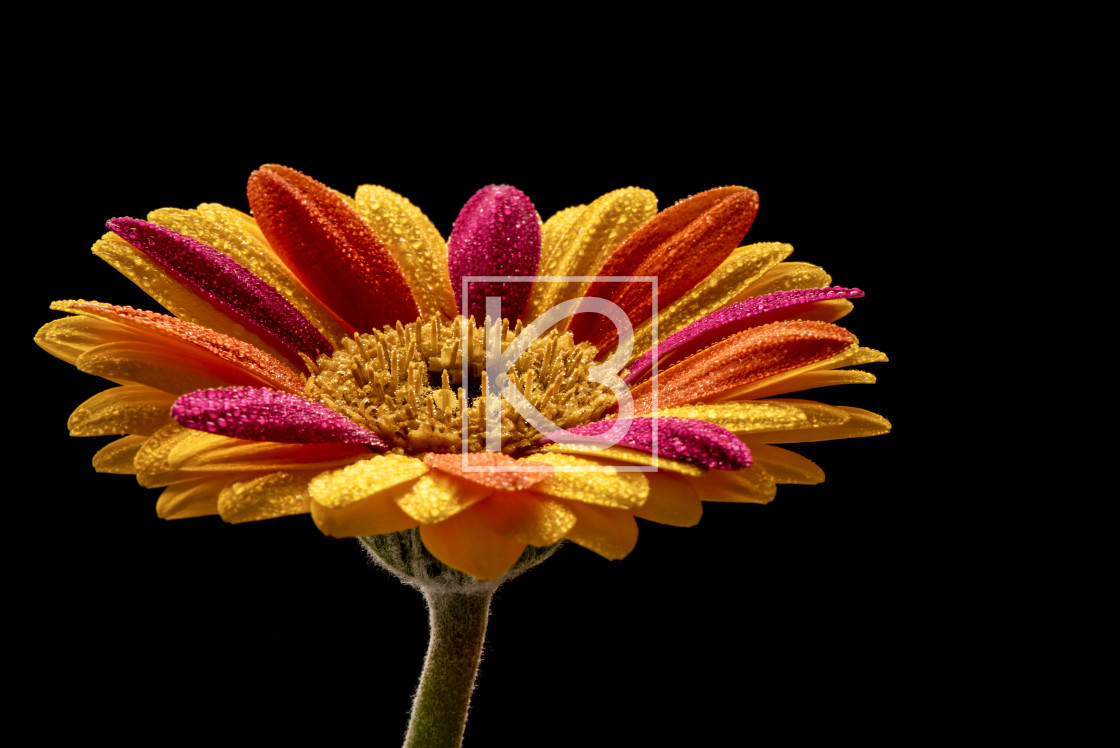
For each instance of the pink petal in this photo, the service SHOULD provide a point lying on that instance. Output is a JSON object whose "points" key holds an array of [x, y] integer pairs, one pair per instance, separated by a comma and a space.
{"points": [[497, 232], [265, 415], [684, 439], [226, 285], [753, 312]]}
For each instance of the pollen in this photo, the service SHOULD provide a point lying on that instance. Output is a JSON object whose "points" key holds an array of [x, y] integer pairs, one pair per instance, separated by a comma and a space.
{"points": [[406, 384]]}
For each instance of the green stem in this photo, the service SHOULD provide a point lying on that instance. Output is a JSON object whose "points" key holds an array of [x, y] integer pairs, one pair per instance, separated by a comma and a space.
{"points": [[439, 709]]}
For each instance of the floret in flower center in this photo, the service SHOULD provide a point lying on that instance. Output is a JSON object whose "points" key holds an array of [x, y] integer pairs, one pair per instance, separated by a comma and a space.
{"points": [[406, 383]]}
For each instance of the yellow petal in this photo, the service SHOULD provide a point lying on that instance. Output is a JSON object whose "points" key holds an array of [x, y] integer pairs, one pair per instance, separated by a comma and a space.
{"points": [[858, 423], [214, 452], [374, 515], [672, 501], [787, 277], [228, 231], [590, 239], [786, 466], [615, 455], [724, 286], [360, 499], [119, 456], [193, 498], [132, 409], [525, 517], [415, 244], [265, 497], [812, 416], [554, 229], [589, 481], [821, 374], [464, 542], [826, 311], [340, 488], [752, 417], [751, 485], [612, 533], [70, 337], [345, 198], [173, 295], [156, 366], [437, 496], [152, 466], [812, 380], [249, 223]]}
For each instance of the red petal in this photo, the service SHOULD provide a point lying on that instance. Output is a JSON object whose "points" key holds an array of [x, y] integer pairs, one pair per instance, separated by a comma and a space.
{"points": [[328, 246]]}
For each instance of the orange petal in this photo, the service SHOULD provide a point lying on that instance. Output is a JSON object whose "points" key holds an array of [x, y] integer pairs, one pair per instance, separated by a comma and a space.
{"points": [[464, 542], [680, 246], [633, 251], [328, 246], [526, 517], [494, 469], [229, 360], [720, 371]]}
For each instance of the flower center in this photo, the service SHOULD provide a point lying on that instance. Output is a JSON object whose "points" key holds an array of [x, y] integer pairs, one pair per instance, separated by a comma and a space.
{"points": [[407, 385]]}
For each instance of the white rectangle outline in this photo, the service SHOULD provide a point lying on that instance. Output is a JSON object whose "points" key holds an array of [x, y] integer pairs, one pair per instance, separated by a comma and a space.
{"points": [[522, 468]]}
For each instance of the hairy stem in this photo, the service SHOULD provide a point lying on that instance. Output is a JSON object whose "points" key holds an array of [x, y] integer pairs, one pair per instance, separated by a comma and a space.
{"points": [[458, 627]]}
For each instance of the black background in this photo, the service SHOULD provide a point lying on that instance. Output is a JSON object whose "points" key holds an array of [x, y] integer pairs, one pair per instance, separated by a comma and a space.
{"points": [[815, 612]]}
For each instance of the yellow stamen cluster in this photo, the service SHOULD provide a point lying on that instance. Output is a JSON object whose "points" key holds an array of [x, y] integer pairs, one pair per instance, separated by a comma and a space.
{"points": [[406, 384]]}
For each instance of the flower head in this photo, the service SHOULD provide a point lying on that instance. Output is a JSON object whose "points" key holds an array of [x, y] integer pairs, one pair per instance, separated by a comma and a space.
{"points": [[334, 356]]}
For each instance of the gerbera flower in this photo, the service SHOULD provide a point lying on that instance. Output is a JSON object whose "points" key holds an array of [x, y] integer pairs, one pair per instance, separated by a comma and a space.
{"points": [[317, 360]]}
